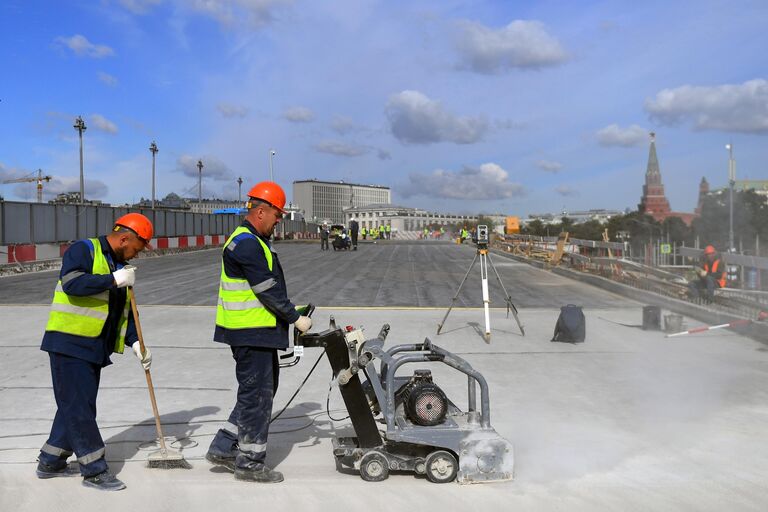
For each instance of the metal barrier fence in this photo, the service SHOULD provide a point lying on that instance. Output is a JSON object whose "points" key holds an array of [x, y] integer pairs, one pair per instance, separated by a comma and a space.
{"points": [[35, 223]]}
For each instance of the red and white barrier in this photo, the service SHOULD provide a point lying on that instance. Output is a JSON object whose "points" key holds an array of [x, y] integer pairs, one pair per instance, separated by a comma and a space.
{"points": [[20, 253]]}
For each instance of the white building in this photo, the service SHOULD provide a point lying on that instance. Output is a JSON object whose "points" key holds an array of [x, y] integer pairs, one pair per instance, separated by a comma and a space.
{"points": [[401, 218], [209, 205], [326, 200]]}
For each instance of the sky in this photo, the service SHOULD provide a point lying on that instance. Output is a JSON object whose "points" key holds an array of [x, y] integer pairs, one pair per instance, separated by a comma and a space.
{"points": [[512, 107]]}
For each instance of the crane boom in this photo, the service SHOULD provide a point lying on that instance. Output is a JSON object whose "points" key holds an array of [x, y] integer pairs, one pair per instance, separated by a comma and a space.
{"points": [[30, 179]]}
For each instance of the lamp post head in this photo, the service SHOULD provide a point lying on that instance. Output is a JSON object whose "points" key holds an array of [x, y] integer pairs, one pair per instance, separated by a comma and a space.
{"points": [[153, 147], [272, 152], [79, 124], [200, 165]]}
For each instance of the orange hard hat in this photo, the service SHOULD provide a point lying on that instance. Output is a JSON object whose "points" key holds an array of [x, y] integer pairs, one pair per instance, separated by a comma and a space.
{"points": [[137, 223], [269, 192], [709, 250]]}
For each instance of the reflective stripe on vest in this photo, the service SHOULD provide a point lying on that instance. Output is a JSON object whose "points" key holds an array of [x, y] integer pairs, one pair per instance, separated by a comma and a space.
{"points": [[238, 306], [86, 316]]}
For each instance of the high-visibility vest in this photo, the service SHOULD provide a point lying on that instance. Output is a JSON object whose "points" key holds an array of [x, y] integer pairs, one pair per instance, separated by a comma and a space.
{"points": [[86, 316], [362, 231], [715, 267], [387, 228], [239, 307]]}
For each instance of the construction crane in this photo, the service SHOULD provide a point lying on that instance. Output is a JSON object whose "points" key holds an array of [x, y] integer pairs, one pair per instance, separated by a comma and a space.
{"points": [[29, 179]]}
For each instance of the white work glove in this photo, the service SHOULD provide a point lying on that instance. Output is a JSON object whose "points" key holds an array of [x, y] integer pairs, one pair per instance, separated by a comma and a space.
{"points": [[702, 273], [146, 359], [126, 276], [303, 323]]}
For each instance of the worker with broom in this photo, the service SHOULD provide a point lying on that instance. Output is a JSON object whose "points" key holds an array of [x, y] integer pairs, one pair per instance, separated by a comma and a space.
{"points": [[252, 317], [90, 318]]}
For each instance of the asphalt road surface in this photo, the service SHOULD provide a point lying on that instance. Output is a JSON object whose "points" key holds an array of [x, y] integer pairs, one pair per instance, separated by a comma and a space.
{"points": [[385, 274]]}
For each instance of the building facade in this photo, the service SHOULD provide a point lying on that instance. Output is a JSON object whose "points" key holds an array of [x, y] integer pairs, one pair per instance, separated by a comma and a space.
{"points": [[326, 200], [401, 218], [209, 205]]}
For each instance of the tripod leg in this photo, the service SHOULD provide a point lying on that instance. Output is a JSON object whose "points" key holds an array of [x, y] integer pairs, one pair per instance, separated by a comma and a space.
{"points": [[440, 325], [486, 298], [507, 298]]}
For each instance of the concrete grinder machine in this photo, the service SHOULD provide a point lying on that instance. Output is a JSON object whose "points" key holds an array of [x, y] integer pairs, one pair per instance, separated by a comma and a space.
{"points": [[426, 433]]}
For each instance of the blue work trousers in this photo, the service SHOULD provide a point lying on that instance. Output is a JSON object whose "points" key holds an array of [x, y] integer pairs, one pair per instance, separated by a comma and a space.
{"points": [[245, 435], [75, 386]]}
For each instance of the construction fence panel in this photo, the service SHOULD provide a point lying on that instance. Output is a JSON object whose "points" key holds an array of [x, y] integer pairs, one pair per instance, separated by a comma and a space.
{"points": [[44, 227], [16, 225], [39, 223]]}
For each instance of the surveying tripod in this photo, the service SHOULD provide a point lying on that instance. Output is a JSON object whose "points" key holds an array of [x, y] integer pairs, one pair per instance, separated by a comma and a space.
{"points": [[485, 259]]}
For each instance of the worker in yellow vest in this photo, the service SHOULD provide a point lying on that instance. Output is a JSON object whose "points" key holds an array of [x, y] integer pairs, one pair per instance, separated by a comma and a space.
{"points": [[90, 318], [252, 317]]}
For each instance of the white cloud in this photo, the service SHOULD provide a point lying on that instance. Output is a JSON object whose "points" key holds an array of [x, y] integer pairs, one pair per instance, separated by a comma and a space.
{"points": [[107, 78], [255, 13], [566, 191], [139, 6], [230, 110], [213, 168], [489, 181], [615, 135], [298, 115], [342, 125], [416, 119], [8, 173], [549, 166], [728, 108], [84, 48], [103, 124], [340, 148], [94, 189], [521, 44]]}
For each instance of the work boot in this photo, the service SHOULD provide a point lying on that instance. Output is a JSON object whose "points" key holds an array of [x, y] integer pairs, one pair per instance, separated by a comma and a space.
{"points": [[221, 460], [47, 471], [262, 474], [104, 481]]}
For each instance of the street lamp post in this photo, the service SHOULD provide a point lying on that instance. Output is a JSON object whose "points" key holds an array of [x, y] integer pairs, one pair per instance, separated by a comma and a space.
{"points": [[239, 189], [272, 153], [154, 150], [200, 183], [731, 183], [80, 127]]}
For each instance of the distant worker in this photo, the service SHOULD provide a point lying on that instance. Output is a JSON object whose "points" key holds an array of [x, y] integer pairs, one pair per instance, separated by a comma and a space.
{"points": [[325, 233], [363, 232], [354, 228], [464, 234], [90, 319], [711, 274], [252, 317], [388, 231], [381, 232]]}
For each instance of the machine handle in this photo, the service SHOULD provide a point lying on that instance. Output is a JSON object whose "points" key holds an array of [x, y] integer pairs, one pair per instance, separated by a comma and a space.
{"points": [[384, 332]]}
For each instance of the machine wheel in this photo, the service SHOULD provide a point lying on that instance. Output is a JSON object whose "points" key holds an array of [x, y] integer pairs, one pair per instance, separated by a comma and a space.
{"points": [[441, 467], [374, 467]]}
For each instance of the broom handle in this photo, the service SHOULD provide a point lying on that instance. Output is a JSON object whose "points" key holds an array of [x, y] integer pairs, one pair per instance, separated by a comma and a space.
{"points": [[150, 387]]}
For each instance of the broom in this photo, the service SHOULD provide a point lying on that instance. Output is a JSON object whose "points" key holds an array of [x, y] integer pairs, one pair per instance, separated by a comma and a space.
{"points": [[162, 458]]}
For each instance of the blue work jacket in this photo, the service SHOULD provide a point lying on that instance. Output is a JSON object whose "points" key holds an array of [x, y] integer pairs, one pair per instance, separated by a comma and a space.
{"points": [[77, 279]]}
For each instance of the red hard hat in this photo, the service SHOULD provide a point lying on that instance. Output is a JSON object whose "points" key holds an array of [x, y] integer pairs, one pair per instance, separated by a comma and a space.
{"points": [[269, 192], [709, 250], [137, 223]]}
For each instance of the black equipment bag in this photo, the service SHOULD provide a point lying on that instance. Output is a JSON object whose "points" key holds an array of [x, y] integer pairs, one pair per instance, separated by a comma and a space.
{"points": [[571, 326]]}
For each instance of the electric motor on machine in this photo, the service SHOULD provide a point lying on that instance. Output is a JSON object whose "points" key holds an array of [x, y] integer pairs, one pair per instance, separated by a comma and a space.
{"points": [[424, 402]]}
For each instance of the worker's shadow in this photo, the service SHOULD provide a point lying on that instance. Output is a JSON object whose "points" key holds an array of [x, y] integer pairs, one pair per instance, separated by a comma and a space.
{"points": [[178, 429], [300, 426]]}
